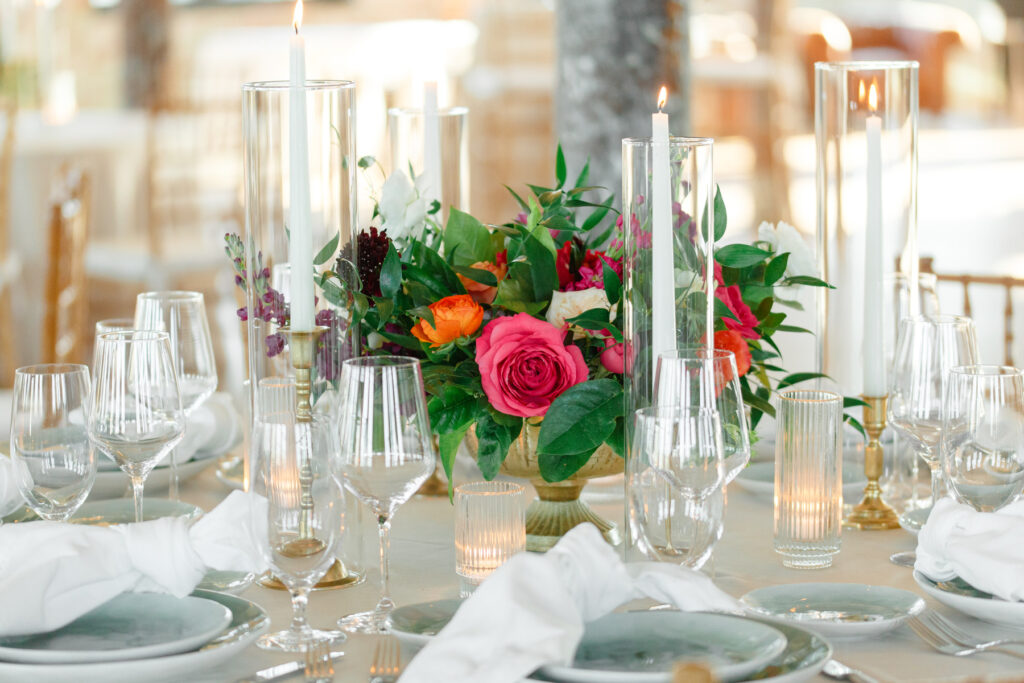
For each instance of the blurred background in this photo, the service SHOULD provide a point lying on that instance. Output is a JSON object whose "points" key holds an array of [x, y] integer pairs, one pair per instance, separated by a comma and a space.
{"points": [[120, 128]]}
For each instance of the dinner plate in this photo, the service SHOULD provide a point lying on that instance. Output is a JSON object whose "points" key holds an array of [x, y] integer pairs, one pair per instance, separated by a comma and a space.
{"points": [[641, 647], [759, 479], [840, 610], [230, 472], [965, 598], [118, 511], [248, 621], [131, 626]]}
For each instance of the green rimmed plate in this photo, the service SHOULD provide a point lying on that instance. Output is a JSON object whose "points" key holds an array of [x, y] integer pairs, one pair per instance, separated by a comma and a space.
{"points": [[965, 598]]}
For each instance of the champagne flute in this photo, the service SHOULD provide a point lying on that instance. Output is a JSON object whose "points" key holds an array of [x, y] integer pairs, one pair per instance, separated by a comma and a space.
{"points": [[983, 435], [182, 315], [54, 463], [386, 452], [926, 349], [302, 519], [136, 416]]}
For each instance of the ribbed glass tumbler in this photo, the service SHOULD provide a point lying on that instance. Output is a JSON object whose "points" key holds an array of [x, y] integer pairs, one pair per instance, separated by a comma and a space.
{"points": [[490, 527], [808, 478]]}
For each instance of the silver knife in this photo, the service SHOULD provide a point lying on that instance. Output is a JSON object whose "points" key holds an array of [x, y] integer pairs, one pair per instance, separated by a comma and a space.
{"points": [[276, 673]]}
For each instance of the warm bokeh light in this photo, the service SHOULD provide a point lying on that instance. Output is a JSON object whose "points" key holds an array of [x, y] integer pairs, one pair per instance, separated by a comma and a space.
{"points": [[297, 16], [662, 97], [873, 97]]}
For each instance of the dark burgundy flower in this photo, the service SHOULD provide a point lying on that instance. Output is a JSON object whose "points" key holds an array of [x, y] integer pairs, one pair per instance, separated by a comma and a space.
{"points": [[275, 344], [371, 248]]}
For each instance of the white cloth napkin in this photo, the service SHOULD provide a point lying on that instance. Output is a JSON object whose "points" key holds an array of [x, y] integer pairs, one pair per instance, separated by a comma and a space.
{"points": [[10, 496], [532, 610], [982, 548], [51, 573]]}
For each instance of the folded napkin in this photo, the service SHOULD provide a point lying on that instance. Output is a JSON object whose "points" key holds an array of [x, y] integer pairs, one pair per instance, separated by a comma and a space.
{"points": [[532, 610], [982, 548], [51, 573], [10, 496]]}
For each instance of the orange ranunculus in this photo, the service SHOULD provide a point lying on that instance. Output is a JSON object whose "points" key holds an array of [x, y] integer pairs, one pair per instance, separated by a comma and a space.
{"points": [[484, 294], [730, 340], [455, 316]]}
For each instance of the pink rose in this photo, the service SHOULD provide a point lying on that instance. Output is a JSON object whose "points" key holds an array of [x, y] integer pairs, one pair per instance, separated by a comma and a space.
{"points": [[525, 364], [611, 357]]}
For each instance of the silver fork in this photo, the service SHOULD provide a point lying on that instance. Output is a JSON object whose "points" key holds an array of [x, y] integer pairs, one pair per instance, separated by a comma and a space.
{"points": [[387, 661], [944, 625], [318, 662], [943, 643]]}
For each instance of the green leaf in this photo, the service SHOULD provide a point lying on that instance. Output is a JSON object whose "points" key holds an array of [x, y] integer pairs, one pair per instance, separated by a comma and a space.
{"points": [[796, 378], [612, 284], [720, 214], [806, 280], [325, 254], [391, 273], [472, 238], [484, 277], [855, 423], [541, 260], [597, 215], [793, 328], [591, 319], [448, 445], [519, 200], [617, 440], [560, 171], [493, 441], [776, 269], [853, 402], [453, 411], [366, 162], [741, 255], [580, 419], [584, 173], [554, 468]]}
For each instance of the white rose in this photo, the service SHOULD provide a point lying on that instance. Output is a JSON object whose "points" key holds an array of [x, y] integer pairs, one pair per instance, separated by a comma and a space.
{"points": [[566, 305], [783, 237], [402, 207]]}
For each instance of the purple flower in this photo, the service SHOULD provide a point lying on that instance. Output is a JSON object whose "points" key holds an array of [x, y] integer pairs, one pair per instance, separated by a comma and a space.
{"points": [[275, 344], [243, 313]]}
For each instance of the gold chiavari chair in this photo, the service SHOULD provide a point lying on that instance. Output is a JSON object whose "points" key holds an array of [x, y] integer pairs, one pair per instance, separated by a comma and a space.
{"points": [[64, 322], [8, 263]]}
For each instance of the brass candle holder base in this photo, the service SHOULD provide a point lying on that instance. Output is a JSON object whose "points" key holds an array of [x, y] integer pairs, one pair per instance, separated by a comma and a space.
{"points": [[338, 576], [871, 513]]}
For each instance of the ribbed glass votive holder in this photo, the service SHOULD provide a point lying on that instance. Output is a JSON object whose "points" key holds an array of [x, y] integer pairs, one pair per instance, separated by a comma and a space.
{"points": [[490, 527], [808, 478]]}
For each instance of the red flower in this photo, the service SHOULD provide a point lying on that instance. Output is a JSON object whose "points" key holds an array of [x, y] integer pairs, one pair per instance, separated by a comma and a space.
{"points": [[733, 299], [728, 340], [580, 268]]}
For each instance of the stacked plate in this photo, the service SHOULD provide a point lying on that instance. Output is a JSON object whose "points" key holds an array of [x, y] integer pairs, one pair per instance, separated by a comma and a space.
{"points": [[965, 598], [642, 647], [137, 636]]}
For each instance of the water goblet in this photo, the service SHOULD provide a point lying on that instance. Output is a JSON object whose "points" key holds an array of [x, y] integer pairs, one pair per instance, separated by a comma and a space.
{"points": [[182, 315], [135, 411], [54, 463], [386, 452]]}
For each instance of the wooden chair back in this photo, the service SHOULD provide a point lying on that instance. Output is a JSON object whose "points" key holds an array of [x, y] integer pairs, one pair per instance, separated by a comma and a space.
{"points": [[66, 314]]}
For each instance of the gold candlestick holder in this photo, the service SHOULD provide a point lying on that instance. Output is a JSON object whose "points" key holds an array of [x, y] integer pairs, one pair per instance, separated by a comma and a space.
{"points": [[871, 512], [302, 345]]}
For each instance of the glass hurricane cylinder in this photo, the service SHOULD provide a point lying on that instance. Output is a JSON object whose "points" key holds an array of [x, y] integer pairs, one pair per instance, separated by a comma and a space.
{"points": [[406, 133], [866, 132], [808, 478]]}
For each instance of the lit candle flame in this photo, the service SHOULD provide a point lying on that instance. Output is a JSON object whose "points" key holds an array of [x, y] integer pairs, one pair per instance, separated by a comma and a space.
{"points": [[860, 92], [297, 16], [872, 96], [662, 97]]}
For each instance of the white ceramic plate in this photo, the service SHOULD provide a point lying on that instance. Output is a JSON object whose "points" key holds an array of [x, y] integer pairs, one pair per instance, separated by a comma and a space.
{"points": [[973, 602], [131, 626], [248, 621], [835, 610], [759, 479], [119, 511]]}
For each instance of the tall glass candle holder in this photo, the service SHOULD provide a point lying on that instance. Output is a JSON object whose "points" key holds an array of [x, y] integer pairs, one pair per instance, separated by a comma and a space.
{"points": [[274, 350], [490, 527], [866, 130], [406, 133]]}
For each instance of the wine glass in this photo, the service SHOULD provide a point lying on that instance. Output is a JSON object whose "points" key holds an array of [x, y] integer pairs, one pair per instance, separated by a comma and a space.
{"points": [[982, 442], [703, 378], [386, 452], [182, 315], [292, 470], [54, 463], [136, 416], [926, 349]]}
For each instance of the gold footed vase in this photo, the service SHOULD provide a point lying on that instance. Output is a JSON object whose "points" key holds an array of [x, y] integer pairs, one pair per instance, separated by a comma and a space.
{"points": [[558, 507]]}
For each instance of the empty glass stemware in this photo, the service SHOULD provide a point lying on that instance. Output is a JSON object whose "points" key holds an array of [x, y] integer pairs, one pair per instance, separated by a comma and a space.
{"points": [[136, 416], [55, 465], [182, 315], [386, 452], [983, 435], [926, 349]]}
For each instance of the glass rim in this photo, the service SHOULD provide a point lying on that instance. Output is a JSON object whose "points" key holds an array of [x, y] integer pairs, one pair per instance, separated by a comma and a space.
{"points": [[125, 336], [52, 369], [673, 141], [386, 361], [814, 396], [943, 319], [442, 112], [868, 65], [479, 488], [117, 321], [171, 295], [683, 353], [987, 370], [308, 85]]}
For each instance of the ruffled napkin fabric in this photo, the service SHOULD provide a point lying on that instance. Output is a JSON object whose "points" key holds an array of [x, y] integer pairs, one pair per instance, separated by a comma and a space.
{"points": [[10, 496], [982, 548], [532, 610], [52, 573]]}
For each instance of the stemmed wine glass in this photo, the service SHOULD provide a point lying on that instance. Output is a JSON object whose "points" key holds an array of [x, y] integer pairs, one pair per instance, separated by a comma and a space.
{"points": [[927, 348], [983, 435], [54, 463], [292, 470], [386, 452], [182, 315], [136, 416]]}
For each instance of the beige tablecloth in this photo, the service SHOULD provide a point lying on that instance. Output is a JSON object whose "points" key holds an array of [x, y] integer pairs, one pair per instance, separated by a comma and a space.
{"points": [[423, 569]]}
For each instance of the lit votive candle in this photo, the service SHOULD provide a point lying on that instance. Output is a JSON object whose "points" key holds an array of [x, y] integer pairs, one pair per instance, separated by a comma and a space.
{"points": [[490, 527]]}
